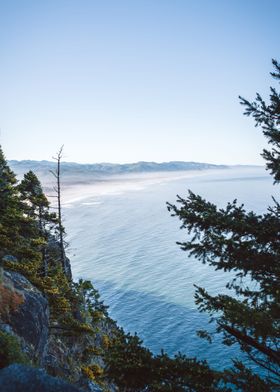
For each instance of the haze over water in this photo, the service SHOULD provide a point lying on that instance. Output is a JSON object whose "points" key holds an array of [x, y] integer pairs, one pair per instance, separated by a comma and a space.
{"points": [[125, 242]]}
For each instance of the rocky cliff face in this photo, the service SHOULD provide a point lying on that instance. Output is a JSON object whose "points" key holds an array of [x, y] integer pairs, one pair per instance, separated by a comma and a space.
{"points": [[24, 314]]}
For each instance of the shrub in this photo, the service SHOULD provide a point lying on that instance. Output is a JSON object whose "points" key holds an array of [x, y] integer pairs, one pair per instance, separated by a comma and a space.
{"points": [[10, 350], [93, 372]]}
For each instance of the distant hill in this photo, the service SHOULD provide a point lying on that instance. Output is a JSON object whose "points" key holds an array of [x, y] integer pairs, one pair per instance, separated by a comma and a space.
{"points": [[101, 169]]}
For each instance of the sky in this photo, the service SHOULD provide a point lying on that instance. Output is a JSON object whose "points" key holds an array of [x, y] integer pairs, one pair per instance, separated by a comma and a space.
{"points": [[136, 80]]}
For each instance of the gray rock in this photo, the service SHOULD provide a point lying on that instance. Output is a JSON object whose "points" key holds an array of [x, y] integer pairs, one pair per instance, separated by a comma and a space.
{"points": [[8, 258], [19, 378], [30, 320], [93, 387], [90, 386]]}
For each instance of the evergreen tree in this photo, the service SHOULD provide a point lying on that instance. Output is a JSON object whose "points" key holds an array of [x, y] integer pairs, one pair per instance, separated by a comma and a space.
{"points": [[247, 244], [36, 206], [9, 207], [7, 182], [32, 194], [19, 234], [133, 368]]}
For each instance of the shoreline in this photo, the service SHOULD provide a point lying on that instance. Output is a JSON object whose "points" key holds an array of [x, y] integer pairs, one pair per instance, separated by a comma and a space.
{"points": [[119, 184], [75, 189]]}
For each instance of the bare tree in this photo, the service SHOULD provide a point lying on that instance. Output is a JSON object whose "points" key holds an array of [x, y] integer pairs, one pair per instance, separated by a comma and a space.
{"points": [[57, 189]]}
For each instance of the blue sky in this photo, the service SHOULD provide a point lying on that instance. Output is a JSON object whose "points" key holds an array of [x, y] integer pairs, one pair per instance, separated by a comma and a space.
{"points": [[123, 81]]}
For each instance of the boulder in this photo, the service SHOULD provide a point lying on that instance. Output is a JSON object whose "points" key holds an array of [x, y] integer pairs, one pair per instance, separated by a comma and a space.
{"points": [[20, 378]]}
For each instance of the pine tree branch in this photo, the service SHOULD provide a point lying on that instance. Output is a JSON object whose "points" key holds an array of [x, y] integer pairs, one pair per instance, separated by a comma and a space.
{"points": [[272, 354]]}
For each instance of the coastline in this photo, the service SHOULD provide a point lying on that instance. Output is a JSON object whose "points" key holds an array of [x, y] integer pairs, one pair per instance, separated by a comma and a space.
{"points": [[84, 188]]}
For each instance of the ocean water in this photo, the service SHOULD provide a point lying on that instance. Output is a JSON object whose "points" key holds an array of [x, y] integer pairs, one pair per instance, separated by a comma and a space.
{"points": [[125, 242]]}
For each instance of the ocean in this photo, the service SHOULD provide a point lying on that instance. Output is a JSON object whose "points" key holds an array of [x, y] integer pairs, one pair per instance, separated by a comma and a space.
{"points": [[124, 240]]}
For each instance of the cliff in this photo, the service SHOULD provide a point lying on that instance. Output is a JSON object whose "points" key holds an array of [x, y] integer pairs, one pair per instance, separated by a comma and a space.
{"points": [[25, 315], [47, 320]]}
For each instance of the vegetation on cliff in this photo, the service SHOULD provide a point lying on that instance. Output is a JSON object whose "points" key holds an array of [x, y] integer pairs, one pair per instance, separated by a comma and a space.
{"points": [[29, 245]]}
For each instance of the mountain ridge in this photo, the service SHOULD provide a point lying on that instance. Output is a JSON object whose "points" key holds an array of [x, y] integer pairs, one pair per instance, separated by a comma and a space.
{"points": [[114, 168]]}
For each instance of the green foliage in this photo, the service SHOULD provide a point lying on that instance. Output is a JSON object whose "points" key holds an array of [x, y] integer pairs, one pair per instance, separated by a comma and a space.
{"points": [[128, 363], [10, 350], [246, 380], [267, 116], [94, 372], [28, 232], [247, 244], [7, 182], [91, 351], [36, 207], [182, 374], [133, 367], [32, 194], [86, 294], [10, 213], [19, 234]]}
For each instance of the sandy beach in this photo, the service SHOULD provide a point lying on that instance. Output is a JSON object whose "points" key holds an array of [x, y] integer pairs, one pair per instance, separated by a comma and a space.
{"points": [[83, 188]]}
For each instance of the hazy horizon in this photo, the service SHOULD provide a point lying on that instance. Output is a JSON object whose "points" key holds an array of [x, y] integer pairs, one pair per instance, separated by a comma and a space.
{"points": [[133, 162]]}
